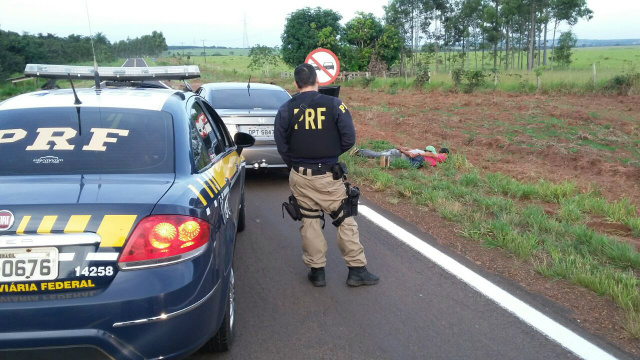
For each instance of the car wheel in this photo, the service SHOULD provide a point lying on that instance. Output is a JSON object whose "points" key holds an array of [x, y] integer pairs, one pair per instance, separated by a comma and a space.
{"points": [[222, 340], [241, 216]]}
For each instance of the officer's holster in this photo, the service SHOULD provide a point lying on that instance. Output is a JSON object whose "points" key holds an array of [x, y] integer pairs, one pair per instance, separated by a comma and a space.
{"points": [[295, 211], [349, 206]]}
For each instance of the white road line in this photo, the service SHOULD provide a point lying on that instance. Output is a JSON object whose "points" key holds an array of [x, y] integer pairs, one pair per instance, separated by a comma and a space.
{"points": [[102, 256], [125, 61], [556, 332], [145, 63]]}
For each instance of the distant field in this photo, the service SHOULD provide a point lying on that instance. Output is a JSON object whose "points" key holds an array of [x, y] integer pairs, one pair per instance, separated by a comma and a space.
{"points": [[197, 51], [610, 57], [605, 58], [226, 68]]}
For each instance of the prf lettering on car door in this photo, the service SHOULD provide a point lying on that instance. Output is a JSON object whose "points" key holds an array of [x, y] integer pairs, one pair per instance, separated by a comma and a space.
{"points": [[312, 118], [59, 137]]}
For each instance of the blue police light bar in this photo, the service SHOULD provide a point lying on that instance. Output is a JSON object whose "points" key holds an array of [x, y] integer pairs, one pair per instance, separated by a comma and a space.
{"points": [[113, 73]]}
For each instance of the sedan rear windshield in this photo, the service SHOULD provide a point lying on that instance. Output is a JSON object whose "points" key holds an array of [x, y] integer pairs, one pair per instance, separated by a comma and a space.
{"points": [[258, 99], [56, 141]]}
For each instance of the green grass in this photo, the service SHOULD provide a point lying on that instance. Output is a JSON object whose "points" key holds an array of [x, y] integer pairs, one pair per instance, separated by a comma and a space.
{"points": [[575, 79], [606, 58], [499, 211], [229, 68]]}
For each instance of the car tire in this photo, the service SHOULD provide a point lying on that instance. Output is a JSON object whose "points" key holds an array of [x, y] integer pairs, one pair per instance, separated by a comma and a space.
{"points": [[223, 339], [242, 215]]}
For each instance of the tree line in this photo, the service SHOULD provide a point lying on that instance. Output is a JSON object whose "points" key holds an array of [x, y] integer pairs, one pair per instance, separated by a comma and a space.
{"points": [[514, 33], [519, 27], [17, 50]]}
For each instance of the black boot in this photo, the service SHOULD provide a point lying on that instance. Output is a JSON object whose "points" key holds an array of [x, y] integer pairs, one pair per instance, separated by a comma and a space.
{"points": [[361, 276], [316, 276]]}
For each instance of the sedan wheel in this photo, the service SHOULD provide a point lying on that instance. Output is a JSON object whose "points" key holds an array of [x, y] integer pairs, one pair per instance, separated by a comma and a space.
{"points": [[224, 337]]}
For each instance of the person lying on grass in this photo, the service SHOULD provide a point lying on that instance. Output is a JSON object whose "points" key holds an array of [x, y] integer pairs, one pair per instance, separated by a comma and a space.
{"points": [[416, 157]]}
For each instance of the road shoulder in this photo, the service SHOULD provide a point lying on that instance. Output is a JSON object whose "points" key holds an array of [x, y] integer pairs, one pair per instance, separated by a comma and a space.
{"points": [[570, 305]]}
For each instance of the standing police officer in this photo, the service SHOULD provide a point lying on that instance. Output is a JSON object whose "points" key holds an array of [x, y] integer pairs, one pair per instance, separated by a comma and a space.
{"points": [[311, 131]]}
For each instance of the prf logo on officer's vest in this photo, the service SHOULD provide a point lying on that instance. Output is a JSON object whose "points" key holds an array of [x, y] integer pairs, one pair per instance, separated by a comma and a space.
{"points": [[313, 118]]}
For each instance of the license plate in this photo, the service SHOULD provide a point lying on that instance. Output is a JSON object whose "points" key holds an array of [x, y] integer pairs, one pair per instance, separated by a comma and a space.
{"points": [[28, 264], [258, 131]]}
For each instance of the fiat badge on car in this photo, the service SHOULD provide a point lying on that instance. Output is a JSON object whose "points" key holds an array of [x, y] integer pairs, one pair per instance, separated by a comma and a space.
{"points": [[6, 220]]}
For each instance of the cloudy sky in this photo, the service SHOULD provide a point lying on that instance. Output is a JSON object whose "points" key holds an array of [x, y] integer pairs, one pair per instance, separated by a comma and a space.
{"points": [[221, 22]]}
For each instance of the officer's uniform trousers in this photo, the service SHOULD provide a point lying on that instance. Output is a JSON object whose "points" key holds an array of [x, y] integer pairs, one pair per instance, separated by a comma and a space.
{"points": [[322, 192]]}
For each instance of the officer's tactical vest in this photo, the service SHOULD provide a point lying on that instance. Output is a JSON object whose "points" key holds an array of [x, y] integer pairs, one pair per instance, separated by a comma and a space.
{"points": [[313, 131]]}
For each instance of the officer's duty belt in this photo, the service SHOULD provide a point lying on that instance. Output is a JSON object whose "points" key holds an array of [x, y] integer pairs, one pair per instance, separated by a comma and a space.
{"points": [[316, 170]]}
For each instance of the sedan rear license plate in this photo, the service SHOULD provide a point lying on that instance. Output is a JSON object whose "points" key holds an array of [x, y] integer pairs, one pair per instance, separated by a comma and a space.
{"points": [[32, 264], [258, 131]]}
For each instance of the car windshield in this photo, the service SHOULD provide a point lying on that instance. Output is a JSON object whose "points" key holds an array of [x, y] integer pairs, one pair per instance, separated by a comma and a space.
{"points": [[55, 141], [255, 99]]}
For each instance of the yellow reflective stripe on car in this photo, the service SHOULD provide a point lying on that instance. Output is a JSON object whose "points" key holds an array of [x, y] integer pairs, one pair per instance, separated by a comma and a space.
{"points": [[23, 224], [47, 224], [216, 177], [210, 183], [202, 199], [205, 187], [114, 229], [77, 223]]}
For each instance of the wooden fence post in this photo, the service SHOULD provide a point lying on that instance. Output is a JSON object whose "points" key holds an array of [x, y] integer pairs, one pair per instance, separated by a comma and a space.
{"points": [[384, 75], [594, 76]]}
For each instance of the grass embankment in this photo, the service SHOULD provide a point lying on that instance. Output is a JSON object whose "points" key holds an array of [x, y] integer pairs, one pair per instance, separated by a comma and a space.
{"points": [[543, 223]]}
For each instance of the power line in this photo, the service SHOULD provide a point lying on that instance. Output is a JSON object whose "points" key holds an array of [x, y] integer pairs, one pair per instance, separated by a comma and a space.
{"points": [[245, 37], [204, 50]]}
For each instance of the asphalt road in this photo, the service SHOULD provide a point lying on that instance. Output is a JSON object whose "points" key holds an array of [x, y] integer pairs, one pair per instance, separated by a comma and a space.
{"points": [[134, 62], [139, 62], [417, 311]]}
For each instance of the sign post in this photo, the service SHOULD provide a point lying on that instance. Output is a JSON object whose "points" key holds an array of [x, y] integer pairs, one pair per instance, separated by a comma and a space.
{"points": [[326, 64]]}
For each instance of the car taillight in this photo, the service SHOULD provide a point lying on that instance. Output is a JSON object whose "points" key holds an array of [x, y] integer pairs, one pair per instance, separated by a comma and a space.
{"points": [[158, 239]]}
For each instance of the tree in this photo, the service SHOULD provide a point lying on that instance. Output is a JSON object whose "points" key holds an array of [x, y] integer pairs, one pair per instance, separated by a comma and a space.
{"points": [[570, 11], [261, 56], [362, 31], [305, 30], [566, 42], [389, 45], [17, 50], [361, 35]]}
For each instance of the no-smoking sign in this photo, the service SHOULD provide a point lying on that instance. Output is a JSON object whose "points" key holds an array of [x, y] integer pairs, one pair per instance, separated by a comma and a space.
{"points": [[326, 64]]}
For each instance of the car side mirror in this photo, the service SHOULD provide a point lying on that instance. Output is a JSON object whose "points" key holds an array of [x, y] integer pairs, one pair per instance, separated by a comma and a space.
{"points": [[243, 140]]}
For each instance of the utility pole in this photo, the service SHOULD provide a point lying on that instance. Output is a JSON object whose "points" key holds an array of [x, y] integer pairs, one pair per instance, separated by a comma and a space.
{"points": [[204, 50], [182, 43]]}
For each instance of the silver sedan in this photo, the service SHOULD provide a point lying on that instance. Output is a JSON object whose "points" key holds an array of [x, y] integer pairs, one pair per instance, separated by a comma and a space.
{"points": [[251, 110]]}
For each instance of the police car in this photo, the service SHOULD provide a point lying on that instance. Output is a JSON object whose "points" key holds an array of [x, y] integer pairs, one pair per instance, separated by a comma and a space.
{"points": [[119, 207]]}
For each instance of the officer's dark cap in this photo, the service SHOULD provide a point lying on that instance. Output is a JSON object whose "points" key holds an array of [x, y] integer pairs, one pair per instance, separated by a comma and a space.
{"points": [[305, 75]]}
